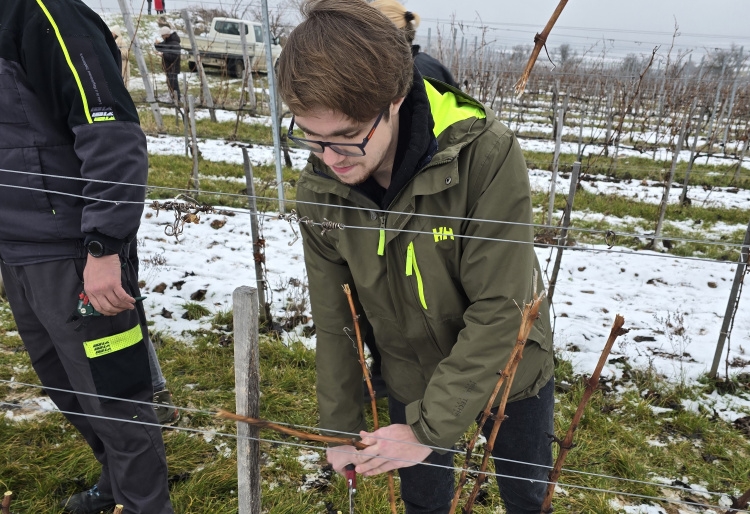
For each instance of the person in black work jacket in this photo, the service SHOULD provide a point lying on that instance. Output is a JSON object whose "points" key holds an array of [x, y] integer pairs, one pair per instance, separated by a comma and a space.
{"points": [[72, 186], [408, 21], [170, 50]]}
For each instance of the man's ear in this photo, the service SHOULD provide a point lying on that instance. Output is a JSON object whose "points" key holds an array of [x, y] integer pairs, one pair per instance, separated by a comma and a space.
{"points": [[396, 105]]}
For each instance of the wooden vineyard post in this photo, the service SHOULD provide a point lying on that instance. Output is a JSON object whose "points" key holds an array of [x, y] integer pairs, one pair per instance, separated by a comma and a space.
{"points": [[142, 68], [194, 178], [247, 394], [259, 256], [556, 159], [656, 243], [205, 90], [740, 503], [563, 241], [731, 310]]}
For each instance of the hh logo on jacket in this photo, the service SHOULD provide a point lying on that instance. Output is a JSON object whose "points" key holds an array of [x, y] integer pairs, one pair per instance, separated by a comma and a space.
{"points": [[442, 233]]}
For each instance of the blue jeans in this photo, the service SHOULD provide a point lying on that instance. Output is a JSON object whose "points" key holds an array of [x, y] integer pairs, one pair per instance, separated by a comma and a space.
{"points": [[522, 437]]}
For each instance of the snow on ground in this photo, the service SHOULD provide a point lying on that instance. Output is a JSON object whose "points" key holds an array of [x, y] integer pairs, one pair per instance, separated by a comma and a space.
{"points": [[217, 260], [648, 191], [220, 150], [652, 291], [662, 154], [225, 115], [641, 190]]}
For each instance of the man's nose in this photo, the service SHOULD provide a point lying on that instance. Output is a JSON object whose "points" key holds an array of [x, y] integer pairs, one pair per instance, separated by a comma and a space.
{"points": [[330, 157]]}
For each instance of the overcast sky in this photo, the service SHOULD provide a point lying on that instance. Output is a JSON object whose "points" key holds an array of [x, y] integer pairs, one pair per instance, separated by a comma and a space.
{"points": [[628, 26]]}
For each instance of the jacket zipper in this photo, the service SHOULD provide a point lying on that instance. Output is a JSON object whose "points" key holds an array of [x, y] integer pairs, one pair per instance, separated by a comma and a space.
{"points": [[411, 267]]}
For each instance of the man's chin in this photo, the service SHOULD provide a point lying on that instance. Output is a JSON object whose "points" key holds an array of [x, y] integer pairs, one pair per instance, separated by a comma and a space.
{"points": [[353, 179]]}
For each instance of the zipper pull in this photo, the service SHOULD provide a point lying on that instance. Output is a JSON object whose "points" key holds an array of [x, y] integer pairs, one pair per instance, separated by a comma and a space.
{"points": [[381, 242], [410, 259]]}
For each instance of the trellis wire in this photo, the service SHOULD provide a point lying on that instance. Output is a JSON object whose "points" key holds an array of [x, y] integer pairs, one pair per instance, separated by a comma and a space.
{"points": [[365, 209], [329, 225]]}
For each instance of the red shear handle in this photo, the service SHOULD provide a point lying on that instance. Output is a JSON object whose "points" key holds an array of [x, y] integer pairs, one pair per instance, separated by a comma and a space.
{"points": [[351, 476]]}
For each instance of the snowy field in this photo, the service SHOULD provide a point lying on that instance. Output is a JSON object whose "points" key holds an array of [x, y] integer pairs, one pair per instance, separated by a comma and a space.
{"points": [[649, 289]]}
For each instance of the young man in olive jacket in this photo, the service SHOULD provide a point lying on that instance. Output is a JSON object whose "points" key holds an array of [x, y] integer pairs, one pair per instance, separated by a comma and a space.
{"points": [[434, 194]]}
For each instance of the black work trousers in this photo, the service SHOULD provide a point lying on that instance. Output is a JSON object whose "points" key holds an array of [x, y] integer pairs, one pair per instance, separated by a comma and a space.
{"points": [[103, 355]]}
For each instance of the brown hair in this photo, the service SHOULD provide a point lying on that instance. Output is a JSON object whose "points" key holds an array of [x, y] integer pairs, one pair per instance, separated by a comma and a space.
{"points": [[406, 20], [345, 56]]}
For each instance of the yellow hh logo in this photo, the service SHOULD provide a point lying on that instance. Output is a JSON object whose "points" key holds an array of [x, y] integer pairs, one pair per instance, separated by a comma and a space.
{"points": [[442, 233]]}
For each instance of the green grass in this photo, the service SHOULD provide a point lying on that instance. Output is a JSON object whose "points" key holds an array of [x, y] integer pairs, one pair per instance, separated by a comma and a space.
{"points": [[247, 131], [175, 171], [43, 460], [645, 216], [195, 311]]}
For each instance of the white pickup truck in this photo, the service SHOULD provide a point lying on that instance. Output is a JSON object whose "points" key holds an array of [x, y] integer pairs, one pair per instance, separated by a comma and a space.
{"points": [[222, 47]]}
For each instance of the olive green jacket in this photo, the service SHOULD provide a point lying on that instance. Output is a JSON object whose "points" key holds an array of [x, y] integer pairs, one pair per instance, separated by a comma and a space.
{"points": [[439, 278]]}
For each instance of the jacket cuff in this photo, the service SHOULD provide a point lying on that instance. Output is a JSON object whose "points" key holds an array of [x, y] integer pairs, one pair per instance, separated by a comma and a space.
{"points": [[416, 422], [112, 246]]}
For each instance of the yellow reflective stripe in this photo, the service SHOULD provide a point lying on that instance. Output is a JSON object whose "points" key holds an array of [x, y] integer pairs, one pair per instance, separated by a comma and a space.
{"points": [[67, 58], [114, 343], [381, 243], [446, 110], [411, 267]]}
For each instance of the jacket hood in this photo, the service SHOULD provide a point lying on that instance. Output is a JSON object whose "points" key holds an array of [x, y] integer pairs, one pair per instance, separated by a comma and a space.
{"points": [[456, 120]]}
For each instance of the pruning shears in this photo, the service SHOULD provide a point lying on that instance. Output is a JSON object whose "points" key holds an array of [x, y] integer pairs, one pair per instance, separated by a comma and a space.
{"points": [[351, 483], [84, 307], [84, 310]]}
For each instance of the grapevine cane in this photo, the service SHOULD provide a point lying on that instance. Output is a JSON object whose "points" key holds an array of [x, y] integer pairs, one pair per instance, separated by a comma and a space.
{"points": [[591, 386], [539, 41], [366, 374], [530, 314]]}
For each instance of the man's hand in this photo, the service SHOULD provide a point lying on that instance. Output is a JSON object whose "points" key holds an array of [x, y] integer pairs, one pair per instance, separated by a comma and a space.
{"points": [[340, 456], [103, 285], [391, 447]]}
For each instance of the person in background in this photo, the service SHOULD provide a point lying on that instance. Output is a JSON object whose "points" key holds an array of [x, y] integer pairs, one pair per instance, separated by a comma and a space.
{"points": [[169, 47], [438, 248], [149, 7], [124, 47], [71, 211], [408, 21], [160, 5]]}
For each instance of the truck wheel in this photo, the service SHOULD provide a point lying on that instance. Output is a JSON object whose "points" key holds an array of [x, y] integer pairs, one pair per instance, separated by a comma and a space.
{"points": [[238, 68], [192, 66]]}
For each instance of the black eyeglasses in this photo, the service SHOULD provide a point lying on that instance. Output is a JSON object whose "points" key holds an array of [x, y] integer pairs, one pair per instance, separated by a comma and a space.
{"points": [[349, 149]]}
